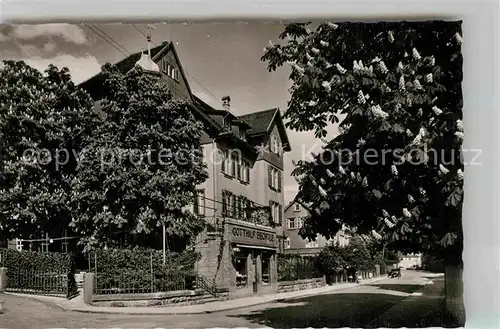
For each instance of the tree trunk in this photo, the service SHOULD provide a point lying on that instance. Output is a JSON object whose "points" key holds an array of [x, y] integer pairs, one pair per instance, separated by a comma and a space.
{"points": [[454, 288]]}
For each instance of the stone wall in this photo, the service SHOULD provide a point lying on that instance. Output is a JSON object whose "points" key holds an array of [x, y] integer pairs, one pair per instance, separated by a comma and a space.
{"points": [[286, 286], [175, 298]]}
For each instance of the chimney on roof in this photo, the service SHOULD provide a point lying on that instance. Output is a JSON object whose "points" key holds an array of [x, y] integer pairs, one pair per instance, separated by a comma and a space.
{"points": [[226, 103]]}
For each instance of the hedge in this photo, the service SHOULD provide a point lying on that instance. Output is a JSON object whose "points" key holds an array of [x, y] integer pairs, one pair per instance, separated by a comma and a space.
{"points": [[37, 271]]}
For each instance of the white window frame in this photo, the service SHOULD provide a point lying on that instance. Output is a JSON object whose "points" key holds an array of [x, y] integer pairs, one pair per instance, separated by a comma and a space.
{"points": [[311, 243], [19, 244], [289, 221], [287, 243], [296, 207]]}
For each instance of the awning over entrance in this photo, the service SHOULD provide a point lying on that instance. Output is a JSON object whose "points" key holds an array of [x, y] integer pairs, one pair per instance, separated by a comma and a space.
{"points": [[249, 246]]}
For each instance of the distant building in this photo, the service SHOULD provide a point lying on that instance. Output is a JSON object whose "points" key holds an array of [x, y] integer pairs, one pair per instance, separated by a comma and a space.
{"points": [[410, 260], [295, 213]]}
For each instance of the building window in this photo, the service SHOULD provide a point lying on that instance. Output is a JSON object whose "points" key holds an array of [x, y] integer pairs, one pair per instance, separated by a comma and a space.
{"points": [[266, 269], [245, 168], [290, 223], [199, 205], [296, 207], [276, 212], [242, 133], [275, 144], [227, 203], [227, 165], [311, 243], [237, 166], [19, 244], [240, 265], [287, 243], [274, 178]]}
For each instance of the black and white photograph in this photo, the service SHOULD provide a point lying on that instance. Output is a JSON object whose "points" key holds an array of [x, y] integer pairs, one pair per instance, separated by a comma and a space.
{"points": [[260, 174]]}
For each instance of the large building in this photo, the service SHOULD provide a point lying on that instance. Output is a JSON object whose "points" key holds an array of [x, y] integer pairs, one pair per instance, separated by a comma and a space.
{"points": [[244, 157], [295, 212]]}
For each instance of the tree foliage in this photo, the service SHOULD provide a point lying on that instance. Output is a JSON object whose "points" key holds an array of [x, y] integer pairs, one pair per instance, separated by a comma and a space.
{"points": [[113, 172], [395, 168], [41, 115], [142, 165]]}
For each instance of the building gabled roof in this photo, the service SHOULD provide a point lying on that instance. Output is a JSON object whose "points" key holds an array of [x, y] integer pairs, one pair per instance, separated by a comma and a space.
{"points": [[92, 84], [262, 122], [259, 121]]}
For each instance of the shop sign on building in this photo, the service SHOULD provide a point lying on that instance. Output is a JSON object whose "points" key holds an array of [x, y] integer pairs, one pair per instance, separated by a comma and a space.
{"points": [[247, 235]]}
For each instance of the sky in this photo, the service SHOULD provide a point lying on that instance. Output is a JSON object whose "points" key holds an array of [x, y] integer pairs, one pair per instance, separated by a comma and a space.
{"points": [[218, 58]]}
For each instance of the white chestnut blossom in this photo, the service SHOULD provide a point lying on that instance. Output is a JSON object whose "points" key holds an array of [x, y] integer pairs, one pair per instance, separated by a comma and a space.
{"points": [[329, 173], [361, 142], [322, 181], [390, 36], [402, 83], [458, 38], [459, 134], [378, 112], [419, 112], [341, 170], [365, 182], [358, 176], [340, 68], [361, 98], [385, 213], [415, 54], [353, 176], [324, 43], [394, 170], [327, 85], [332, 25], [410, 198], [428, 78], [460, 174], [417, 84], [406, 213], [315, 50], [422, 191], [376, 235], [437, 110], [433, 60], [460, 126], [400, 66], [443, 170], [409, 133], [312, 103], [382, 67], [388, 223]]}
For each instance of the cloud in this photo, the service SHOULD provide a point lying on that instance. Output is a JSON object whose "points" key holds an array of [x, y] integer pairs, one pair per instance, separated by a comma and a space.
{"points": [[49, 47], [81, 67], [68, 32]]}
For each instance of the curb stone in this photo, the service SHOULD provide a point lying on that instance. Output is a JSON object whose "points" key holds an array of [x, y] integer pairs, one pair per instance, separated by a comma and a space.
{"points": [[202, 310]]}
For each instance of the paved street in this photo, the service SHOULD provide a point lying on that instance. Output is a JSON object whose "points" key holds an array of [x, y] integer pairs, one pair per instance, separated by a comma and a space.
{"points": [[354, 307]]}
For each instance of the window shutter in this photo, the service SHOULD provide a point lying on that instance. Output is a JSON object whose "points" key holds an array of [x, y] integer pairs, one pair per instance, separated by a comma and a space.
{"points": [[238, 171], [279, 181], [196, 204], [224, 203], [270, 176], [280, 209], [247, 173], [223, 164]]}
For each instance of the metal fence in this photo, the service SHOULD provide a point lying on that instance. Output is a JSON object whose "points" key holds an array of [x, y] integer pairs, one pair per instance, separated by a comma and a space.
{"points": [[293, 267], [38, 282], [135, 282]]}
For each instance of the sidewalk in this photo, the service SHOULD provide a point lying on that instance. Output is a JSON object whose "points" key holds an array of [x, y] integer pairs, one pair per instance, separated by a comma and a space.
{"points": [[422, 309], [77, 304]]}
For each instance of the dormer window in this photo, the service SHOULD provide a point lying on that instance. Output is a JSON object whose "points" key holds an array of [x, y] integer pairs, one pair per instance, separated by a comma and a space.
{"points": [[242, 133], [169, 70], [296, 207], [275, 144]]}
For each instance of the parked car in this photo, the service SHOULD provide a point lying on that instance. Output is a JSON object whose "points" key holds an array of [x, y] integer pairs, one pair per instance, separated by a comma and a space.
{"points": [[394, 273]]}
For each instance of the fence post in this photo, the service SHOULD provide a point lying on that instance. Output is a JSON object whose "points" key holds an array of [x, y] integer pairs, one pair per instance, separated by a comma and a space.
{"points": [[3, 279], [88, 288]]}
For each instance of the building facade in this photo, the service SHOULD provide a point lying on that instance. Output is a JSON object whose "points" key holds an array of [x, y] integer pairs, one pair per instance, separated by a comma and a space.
{"points": [[295, 213], [410, 261], [242, 200]]}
